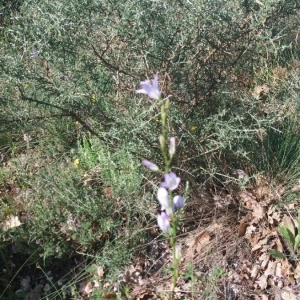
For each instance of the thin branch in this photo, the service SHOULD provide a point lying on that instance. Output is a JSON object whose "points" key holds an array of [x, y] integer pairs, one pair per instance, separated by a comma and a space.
{"points": [[65, 111], [110, 66]]}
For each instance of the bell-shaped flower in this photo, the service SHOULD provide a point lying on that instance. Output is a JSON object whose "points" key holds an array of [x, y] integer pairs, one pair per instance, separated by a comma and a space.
{"points": [[163, 221], [150, 165], [171, 181], [163, 198], [178, 202], [151, 90]]}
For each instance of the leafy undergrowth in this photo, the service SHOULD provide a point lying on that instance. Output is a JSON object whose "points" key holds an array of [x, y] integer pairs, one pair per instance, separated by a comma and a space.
{"points": [[231, 248]]}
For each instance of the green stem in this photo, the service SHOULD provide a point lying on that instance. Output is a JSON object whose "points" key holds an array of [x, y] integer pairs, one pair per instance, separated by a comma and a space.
{"points": [[173, 236], [164, 112]]}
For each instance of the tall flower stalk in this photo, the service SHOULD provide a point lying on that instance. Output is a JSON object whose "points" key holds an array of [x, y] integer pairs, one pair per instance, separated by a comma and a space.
{"points": [[167, 219]]}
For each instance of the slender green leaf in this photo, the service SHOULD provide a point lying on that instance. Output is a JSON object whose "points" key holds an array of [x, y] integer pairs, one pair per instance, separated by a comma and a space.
{"points": [[276, 254], [288, 235], [297, 242], [289, 224]]}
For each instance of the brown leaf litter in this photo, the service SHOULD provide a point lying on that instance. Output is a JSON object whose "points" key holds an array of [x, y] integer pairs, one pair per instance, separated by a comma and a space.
{"points": [[236, 239]]}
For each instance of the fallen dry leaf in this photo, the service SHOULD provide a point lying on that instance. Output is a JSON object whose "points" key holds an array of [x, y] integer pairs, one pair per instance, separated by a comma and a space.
{"points": [[250, 202], [10, 222], [86, 287], [296, 187], [259, 90], [100, 271], [262, 281], [297, 272], [286, 268], [263, 242], [255, 272], [278, 272], [242, 229], [270, 271], [290, 206], [278, 243], [141, 293], [249, 232], [273, 215], [271, 268], [246, 197], [287, 294], [196, 243], [201, 241], [264, 258]]}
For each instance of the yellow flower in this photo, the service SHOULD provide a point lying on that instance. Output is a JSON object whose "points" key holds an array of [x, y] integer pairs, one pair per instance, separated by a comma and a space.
{"points": [[193, 128], [76, 162], [93, 99]]}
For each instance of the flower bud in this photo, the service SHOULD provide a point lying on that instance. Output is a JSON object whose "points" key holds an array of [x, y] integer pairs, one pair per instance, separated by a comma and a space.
{"points": [[150, 165], [178, 202], [172, 147], [162, 142]]}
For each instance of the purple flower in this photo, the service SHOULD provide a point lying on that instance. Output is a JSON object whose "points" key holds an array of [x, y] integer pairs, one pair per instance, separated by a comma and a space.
{"points": [[163, 198], [34, 54], [178, 201], [150, 165], [171, 181], [163, 221], [152, 90]]}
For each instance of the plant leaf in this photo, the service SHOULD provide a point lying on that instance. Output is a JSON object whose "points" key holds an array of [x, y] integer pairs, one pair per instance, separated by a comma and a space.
{"points": [[288, 235], [276, 254], [10, 222], [297, 242], [289, 224]]}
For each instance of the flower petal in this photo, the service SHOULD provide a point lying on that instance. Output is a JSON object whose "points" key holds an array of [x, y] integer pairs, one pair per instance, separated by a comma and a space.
{"points": [[163, 222], [146, 85], [154, 94], [171, 181], [155, 81], [141, 91], [152, 90], [163, 198]]}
